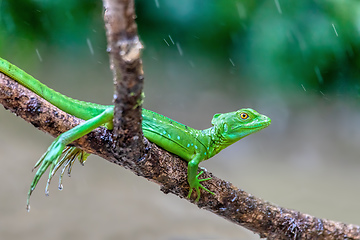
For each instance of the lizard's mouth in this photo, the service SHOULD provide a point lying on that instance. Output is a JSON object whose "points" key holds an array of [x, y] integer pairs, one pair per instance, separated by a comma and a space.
{"points": [[265, 121], [257, 126]]}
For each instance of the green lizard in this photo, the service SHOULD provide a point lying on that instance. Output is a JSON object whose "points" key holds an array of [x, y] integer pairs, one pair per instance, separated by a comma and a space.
{"points": [[190, 144]]}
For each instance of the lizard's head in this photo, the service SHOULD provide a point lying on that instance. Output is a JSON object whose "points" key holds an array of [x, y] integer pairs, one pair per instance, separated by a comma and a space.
{"points": [[235, 125]]}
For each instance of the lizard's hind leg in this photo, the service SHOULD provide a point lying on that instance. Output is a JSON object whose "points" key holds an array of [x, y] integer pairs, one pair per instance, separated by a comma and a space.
{"points": [[51, 157], [69, 155]]}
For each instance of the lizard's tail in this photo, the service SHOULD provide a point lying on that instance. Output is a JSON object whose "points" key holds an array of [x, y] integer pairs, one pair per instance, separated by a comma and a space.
{"points": [[80, 109]]}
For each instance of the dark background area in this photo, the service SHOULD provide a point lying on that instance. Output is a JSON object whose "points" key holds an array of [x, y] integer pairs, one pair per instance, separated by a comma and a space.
{"points": [[296, 62]]}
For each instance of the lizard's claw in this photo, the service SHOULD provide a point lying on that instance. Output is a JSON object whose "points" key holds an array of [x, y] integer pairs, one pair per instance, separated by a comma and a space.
{"points": [[48, 159], [51, 159], [197, 185], [69, 156]]}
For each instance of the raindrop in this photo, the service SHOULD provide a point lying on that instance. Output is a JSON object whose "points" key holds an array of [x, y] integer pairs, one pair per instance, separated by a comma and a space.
{"points": [[166, 42], [90, 46], [179, 49], [157, 3], [28, 208], [318, 74], [241, 10], [47, 187], [171, 40], [334, 29], [61, 187], [38, 54], [231, 61], [278, 6], [303, 87]]}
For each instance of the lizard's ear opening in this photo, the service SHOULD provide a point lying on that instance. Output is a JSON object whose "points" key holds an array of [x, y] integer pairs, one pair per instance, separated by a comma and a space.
{"points": [[215, 118]]}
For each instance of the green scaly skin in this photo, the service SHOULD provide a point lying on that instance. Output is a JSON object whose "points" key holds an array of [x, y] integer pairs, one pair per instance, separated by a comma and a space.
{"points": [[190, 144]]}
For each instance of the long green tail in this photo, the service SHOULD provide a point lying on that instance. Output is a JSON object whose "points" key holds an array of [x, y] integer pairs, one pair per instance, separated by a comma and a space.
{"points": [[80, 109]]}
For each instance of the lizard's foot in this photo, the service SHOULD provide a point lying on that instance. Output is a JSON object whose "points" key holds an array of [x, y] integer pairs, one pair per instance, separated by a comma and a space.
{"points": [[196, 184], [48, 159], [68, 158], [51, 159]]}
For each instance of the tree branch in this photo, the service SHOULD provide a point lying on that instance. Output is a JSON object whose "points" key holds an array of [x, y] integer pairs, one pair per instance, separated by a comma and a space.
{"points": [[124, 50], [159, 166], [169, 172]]}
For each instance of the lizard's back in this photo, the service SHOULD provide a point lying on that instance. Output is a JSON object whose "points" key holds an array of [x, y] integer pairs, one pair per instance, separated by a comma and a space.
{"points": [[170, 135]]}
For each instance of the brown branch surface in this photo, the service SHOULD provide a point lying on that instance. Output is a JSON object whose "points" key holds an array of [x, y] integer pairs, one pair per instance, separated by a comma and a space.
{"points": [[169, 172], [124, 48]]}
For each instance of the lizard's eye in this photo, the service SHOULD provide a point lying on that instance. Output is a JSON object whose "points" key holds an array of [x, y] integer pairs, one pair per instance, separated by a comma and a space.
{"points": [[244, 115]]}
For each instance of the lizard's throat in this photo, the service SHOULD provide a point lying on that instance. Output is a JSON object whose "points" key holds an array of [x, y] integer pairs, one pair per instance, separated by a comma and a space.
{"points": [[218, 141]]}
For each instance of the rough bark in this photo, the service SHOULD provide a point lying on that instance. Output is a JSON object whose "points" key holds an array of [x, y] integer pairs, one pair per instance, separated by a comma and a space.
{"points": [[148, 160], [124, 48]]}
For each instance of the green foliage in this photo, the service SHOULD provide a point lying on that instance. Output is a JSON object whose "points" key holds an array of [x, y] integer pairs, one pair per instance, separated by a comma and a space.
{"points": [[65, 24], [274, 43]]}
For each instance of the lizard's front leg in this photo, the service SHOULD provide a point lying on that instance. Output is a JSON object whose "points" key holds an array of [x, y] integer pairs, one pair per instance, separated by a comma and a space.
{"points": [[193, 177]]}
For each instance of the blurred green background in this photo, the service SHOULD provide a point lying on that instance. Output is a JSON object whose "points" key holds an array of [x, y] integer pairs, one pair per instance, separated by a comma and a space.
{"points": [[297, 62]]}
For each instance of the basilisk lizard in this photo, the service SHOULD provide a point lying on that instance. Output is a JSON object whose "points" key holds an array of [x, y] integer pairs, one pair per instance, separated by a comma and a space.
{"points": [[190, 144]]}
